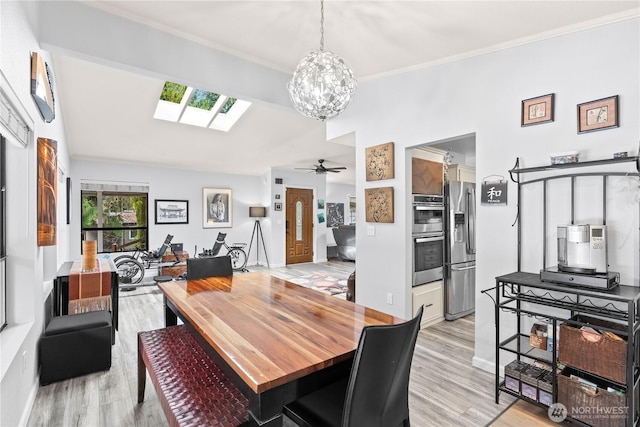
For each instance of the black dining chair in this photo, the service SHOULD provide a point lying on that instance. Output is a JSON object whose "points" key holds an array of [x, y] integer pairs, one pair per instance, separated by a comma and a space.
{"points": [[376, 393], [199, 268]]}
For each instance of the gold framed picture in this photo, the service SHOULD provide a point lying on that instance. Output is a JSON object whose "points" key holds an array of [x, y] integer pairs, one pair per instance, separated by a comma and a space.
{"points": [[537, 110], [379, 204], [598, 115], [380, 162]]}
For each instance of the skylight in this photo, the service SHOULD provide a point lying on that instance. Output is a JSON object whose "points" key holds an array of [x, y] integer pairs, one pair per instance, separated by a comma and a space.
{"points": [[197, 107]]}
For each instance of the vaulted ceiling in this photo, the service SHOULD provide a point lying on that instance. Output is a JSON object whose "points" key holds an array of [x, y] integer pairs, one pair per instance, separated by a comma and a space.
{"points": [[108, 107]]}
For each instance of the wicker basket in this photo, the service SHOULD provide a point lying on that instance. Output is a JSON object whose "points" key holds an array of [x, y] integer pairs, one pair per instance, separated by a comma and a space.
{"points": [[605, 357], [603, 409]]}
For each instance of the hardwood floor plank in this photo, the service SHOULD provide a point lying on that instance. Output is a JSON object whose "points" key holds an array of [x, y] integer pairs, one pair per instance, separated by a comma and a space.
{"points": [[445, 390]]}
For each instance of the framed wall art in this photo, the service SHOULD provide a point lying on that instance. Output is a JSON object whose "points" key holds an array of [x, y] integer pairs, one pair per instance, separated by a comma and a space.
{"points": [[68, 200], [217, 208], [598, 115], [47, 191], [172, 211], [379, 204], [537, 110], [42, 87], [335, 214], [380, 162]]}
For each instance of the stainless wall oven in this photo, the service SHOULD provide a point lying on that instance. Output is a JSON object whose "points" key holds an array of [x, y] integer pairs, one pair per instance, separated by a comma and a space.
{"points": [[428, 214], [428, 257]]}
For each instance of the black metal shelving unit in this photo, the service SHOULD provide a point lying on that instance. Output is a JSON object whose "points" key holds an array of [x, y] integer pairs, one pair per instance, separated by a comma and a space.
{"points": [[524, 294]]}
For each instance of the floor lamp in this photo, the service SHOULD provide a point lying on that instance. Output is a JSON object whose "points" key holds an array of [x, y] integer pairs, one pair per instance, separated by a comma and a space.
{"points": [[258, 212]]}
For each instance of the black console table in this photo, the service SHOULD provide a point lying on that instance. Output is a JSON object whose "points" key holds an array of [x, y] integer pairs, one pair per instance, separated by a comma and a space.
{"points": [[61, 291]]}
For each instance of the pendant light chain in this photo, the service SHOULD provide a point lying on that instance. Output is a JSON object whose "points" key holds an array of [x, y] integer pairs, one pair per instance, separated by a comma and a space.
{"points": [[323, 83], [321, 25]]}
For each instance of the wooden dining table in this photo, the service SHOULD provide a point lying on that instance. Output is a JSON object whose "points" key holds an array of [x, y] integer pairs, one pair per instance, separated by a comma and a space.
{"points": [[276, 339]]}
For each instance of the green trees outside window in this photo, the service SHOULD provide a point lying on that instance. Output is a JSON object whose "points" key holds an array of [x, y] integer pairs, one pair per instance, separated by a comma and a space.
{"points": [[117, 221]]}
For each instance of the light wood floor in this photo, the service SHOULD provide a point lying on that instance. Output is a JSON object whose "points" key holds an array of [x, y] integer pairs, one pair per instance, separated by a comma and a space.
{"points": [[445, 390]]}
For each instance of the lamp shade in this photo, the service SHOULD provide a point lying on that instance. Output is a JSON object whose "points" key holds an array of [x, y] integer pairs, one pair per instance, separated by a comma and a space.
{"points": [[257, 211]]}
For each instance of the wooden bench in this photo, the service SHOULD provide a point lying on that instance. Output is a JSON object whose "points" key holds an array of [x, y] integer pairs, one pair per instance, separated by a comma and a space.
{"points": [[192, 389]]}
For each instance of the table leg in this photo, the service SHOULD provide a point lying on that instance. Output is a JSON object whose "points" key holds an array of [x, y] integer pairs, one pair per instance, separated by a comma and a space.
{"points": [[170, 317]]}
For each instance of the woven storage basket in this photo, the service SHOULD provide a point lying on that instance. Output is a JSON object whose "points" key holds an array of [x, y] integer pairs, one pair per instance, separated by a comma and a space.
{"points": [[604, 409], [605, 357]]}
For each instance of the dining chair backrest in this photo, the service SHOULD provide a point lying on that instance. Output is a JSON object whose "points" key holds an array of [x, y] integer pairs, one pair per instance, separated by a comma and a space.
{"points": [[199, 268], [378, 388]]}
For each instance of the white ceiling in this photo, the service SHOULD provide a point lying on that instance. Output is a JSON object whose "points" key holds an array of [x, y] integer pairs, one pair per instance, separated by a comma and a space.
{"points": [[376, 37]]}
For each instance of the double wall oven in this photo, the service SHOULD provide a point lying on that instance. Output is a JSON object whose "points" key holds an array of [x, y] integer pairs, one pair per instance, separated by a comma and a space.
{"points": [[428, 238]]}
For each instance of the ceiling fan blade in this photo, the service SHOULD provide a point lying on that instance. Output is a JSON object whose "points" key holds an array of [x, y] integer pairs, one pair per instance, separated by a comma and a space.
{"points": [[336, 168]]}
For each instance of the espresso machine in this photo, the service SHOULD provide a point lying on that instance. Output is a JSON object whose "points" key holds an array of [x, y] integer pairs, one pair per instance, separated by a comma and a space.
{"points": [[582, 258], [582, 249]]}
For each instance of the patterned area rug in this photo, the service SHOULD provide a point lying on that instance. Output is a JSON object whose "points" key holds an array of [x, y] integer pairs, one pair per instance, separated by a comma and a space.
{"points": [[323, 283]]}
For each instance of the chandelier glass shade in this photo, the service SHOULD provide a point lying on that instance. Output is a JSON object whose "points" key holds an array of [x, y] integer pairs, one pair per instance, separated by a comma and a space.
{"points": [[323, 83]]}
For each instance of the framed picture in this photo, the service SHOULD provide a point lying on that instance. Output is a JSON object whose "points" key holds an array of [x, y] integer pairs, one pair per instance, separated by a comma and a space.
{"points": [[380, 162], [379, 204], [537, 110], [598, 115], [68, 200], [42, 87], [335, 214], [172, 211], [217, 208]]}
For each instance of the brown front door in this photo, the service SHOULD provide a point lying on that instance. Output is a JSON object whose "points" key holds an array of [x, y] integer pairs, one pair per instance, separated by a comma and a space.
{"points": [[299, 226]]}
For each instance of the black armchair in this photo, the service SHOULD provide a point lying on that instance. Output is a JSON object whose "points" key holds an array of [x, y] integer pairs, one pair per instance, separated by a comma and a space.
{"points": [[376, 394], [345, 237]]}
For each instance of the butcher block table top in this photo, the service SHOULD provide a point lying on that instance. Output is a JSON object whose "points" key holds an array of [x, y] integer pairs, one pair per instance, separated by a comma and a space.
{"points": [[268, 330]]}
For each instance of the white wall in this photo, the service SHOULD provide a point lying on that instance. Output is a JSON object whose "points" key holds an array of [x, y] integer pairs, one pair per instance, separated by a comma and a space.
{"points": [[482, 95], [175, 184], [29, 268]]}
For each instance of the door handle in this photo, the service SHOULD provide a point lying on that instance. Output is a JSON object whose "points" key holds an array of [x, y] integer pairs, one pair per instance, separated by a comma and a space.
{"points": [[470, 226], [463, 268]]}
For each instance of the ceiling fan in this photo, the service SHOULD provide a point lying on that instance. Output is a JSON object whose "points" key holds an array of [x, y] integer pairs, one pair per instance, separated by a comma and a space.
{"points": [[322, 169]]}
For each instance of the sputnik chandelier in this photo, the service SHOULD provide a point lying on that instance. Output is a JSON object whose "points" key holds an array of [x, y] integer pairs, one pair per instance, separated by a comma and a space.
{"points": [[323, 83]]}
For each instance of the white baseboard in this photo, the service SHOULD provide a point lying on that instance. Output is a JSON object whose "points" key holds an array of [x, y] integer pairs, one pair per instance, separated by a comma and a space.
{"points": [[26, 413], [486, 365]]}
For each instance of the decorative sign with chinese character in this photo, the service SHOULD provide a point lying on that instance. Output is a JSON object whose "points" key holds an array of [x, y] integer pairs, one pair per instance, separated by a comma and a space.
{"points": [[493, 193]]}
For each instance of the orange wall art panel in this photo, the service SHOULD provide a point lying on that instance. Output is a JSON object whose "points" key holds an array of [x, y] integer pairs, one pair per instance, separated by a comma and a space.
{"points": [[47, 191]]}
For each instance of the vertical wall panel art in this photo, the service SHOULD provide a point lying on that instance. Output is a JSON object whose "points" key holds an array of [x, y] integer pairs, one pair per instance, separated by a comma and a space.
{"points": [[47, 191]]}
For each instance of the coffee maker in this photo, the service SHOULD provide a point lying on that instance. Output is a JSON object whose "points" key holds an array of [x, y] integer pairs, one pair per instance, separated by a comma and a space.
{"points": [[582, 249]]}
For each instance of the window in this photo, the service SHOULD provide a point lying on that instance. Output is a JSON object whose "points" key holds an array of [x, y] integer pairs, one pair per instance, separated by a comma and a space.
{"points": [[117, 220], [352, 209], [3, 246], [198, 107]]}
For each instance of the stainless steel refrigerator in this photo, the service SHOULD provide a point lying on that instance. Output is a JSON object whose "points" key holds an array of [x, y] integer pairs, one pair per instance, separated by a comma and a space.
{"points": [[460, 249]]}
